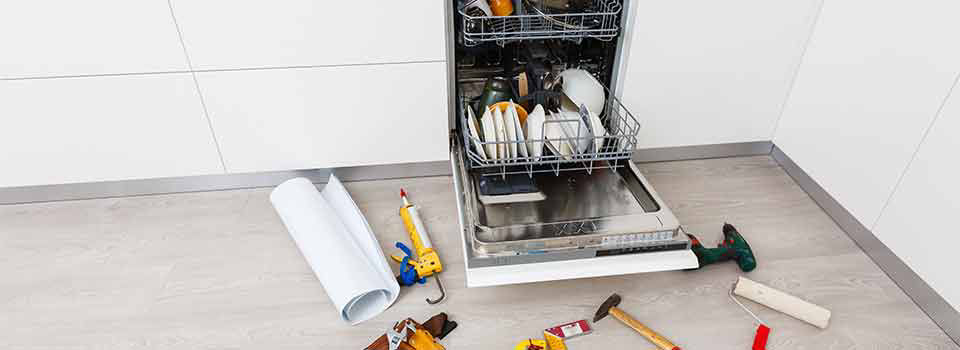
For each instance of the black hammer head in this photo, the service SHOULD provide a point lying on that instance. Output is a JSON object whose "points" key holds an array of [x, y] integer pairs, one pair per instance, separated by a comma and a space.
{"points": [[604, 309]]}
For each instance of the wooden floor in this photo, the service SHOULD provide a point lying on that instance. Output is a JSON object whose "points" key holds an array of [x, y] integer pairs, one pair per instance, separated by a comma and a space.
{"points": [[217, 270]]}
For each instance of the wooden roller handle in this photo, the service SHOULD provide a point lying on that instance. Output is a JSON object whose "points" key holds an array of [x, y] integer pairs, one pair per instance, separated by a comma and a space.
{"points": [[646, 332]]}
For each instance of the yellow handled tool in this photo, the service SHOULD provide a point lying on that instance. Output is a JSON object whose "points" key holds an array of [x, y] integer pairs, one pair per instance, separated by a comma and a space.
{"points": [[609, 307], [428, 261]]}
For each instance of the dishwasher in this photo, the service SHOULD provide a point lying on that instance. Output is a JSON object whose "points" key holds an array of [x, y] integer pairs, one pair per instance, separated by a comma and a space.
{"points": [[561, 199]]}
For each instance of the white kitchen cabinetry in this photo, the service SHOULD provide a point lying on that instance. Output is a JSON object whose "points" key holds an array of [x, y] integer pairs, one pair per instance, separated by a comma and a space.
{"points": [[873, 77], [252, 34], [103, 128], [707, 72], [62, 37], [282, 119], [919, 223]]}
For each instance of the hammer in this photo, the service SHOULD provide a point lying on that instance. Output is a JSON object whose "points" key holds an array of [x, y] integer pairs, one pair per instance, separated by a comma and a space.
{"points": [[610, 307]]}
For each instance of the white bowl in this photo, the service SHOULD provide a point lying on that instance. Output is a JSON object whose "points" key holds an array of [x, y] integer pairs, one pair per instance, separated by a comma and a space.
{"points": [[582, 88]]}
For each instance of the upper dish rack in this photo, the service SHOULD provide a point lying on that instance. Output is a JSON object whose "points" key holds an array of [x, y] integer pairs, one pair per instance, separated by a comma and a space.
{"points": [[616, 146], [600, 20]]}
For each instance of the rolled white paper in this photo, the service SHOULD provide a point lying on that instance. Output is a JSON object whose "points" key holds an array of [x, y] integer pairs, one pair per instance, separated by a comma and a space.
{"points": [[783, 302], [339, 245]]}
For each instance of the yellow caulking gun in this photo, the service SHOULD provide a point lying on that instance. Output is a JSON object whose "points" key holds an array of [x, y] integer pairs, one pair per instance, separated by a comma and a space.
{"points": [[428, 261]]}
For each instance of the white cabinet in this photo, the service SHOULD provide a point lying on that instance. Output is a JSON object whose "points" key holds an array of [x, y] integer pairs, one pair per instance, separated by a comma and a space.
{"points": [[103, 128], [251, 34], [281, 119], [63, 37], [873, 77], [918, 224], [706, 72]]}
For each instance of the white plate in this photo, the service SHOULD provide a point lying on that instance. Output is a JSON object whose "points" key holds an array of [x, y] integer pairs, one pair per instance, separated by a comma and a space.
{"points": [[489, 133], [511, 129], [535, 132], [501, 132], [596, 125], [522, 142], [566, 105], [555, 137], [474, 135], [575, 128]]}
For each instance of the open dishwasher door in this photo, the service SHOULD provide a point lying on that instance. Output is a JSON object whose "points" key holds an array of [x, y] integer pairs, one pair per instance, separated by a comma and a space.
{"points": [[609, 222], [556, 195]]}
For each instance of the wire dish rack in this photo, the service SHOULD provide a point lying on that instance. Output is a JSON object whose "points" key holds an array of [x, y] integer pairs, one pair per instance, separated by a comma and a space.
{"points": [[600, 20], [615, 149]]}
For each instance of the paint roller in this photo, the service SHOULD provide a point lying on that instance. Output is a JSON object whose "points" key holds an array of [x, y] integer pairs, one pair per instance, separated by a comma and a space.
{"points": [[780, 301], [783, 302]]}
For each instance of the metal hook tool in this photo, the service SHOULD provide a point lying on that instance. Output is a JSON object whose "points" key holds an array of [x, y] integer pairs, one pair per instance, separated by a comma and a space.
{"points": [[443, 294]]}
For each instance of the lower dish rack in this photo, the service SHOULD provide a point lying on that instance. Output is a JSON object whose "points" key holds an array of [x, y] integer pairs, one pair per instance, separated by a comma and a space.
{"points": [[599, 19], [611, 149]]}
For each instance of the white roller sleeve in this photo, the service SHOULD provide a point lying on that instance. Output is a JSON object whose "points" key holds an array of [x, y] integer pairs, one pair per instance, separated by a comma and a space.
{"points": [[783, 302]]}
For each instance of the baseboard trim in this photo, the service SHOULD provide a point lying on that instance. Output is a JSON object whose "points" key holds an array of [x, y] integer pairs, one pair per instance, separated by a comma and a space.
{"points": [[108, 189], [722, 150], [944, 315], [124, 188]]}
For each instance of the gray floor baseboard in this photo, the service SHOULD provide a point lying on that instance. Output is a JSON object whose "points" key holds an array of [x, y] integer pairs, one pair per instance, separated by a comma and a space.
{"points": [[721, 150], [108, 189], [919, 291]]}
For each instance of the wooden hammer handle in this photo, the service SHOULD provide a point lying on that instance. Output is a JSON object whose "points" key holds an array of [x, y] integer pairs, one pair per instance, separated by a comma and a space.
{"points": [[646, 332]]}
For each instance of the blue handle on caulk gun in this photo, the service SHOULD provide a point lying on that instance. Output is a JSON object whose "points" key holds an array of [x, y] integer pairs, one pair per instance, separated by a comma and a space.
{"points": [[408, 275]]}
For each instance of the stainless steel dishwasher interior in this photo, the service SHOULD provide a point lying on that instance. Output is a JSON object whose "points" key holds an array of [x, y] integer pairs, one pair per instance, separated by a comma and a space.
{"points": [[571, 199], [581, 209]]}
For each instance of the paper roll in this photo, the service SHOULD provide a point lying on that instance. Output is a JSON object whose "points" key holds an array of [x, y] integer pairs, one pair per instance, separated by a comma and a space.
{"points": [[783, 302], [339, 245]]}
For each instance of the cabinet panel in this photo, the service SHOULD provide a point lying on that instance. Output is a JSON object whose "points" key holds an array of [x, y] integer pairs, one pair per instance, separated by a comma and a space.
{"points": [[918, 224], [283, 119], [103, 128], [250, 34], [865, 94], [62, 37], [706, 72]]}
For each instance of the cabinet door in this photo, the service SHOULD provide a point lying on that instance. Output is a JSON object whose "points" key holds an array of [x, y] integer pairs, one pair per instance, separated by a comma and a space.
{"points": [[282, 119], [103, 128], [289, 33], [865, 94], [706, 72], [67, 38], [918, 223]]}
